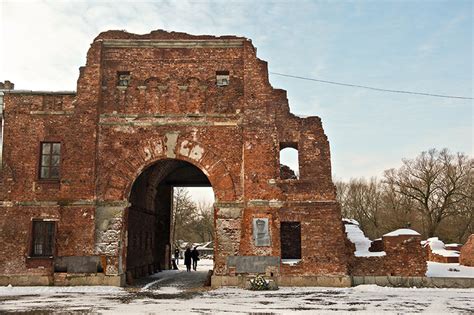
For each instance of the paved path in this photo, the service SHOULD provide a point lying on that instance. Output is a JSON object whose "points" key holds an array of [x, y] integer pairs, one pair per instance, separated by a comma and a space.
{"points": [[180, 280]]}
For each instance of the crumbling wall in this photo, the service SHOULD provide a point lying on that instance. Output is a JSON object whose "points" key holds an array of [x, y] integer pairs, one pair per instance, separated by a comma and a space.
{"points": [[171, 96], [404, 256], [467, 252]]}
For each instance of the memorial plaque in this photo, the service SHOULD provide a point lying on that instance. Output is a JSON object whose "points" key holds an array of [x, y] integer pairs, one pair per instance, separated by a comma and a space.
{"points": [[261, 233], [253, 264]]}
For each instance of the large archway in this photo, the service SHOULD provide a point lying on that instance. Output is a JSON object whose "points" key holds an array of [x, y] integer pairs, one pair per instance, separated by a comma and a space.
{"points": [[149, 215]]}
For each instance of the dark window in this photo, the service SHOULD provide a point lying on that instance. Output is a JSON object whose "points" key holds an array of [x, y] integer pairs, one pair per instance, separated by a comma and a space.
{"points": [[290, 238], [43, 238], [222, 78], [50, 159], [123, 78]]}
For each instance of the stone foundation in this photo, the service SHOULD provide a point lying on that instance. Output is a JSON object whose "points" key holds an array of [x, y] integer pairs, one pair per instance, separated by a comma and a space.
{"points": [[284, 281]]}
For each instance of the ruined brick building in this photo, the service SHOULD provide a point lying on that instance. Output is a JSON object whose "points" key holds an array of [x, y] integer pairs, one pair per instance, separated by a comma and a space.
{"points": [[87, 176]]}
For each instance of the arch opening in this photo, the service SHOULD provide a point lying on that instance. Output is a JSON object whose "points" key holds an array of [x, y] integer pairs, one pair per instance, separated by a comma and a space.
{"points": [[289, 163], [152, 215]]}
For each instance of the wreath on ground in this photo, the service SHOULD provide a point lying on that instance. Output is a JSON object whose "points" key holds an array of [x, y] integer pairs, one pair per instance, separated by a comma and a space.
{"points": [[259, 283]]}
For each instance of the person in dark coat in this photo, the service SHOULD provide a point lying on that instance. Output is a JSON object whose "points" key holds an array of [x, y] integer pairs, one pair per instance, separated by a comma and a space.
{"points": [[176, 256], [187, 259], [195, 256]]}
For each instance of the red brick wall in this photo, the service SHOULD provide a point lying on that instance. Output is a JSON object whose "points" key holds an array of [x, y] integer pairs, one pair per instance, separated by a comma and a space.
{"points": [[74, 235], [439, 258], [404, 257], [467, 252], [172, 109]]}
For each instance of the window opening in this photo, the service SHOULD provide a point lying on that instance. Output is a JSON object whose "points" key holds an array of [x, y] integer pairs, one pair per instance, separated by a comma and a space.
{"points": [[290, 238], [123, 78], [43, 238], [222, 78], [50, 160], [289, 165]]}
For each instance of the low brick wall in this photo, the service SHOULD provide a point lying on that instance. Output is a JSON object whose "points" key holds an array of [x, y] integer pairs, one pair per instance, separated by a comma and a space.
{"points": [[404, 257], [284, 281], [368, 266], [441, 259]]}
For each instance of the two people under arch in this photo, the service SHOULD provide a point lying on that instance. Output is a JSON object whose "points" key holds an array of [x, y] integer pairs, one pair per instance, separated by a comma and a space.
{"points": [[191, 256]]}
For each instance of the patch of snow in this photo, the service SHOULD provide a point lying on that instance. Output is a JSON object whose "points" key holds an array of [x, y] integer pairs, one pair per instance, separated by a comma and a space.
{"points": [[13, 290], [437, 247], [434, 243], [402, 232], [452, 244], [301, 116], [350, 221], [436, 269], [446, 252], [205, 264], [204, 246], [167, 290], [291, 262], [361, 242]]}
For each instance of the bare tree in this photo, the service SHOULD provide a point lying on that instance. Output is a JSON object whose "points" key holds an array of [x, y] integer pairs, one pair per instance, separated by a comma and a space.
{"points": [[437, 182], [204, 227], [362, 200], [184, 212]]}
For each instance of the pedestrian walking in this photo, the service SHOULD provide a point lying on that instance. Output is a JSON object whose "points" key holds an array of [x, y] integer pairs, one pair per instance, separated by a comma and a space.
{"points": [[187, 259], [195, 256], [176, 256]]}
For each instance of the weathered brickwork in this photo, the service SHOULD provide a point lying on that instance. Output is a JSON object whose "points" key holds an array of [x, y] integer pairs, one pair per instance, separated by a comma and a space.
{"points": [[404, 257], [467, 252], [151, 112]]}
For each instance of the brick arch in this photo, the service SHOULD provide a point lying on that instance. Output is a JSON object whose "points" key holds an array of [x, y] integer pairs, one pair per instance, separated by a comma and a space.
{"points": [[125, 171]]}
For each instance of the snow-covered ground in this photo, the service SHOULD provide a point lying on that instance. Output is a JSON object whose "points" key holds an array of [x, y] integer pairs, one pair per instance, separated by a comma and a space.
{"points": [[361, 299], [449, 270], [180, 292]]}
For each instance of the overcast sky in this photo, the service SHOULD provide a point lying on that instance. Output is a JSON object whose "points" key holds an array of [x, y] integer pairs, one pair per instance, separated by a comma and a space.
{"points": [[423, 46]]}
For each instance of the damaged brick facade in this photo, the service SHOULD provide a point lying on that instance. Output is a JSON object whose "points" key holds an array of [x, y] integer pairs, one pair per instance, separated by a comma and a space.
{"points": [[467, 252], [150, 112]]}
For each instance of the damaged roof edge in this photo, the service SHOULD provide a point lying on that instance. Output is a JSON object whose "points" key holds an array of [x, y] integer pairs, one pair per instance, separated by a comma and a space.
{"points": [[31, 92]]}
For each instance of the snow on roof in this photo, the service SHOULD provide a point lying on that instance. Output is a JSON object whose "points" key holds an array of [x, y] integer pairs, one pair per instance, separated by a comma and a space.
{"points": [[402, 232], [361, 242]]}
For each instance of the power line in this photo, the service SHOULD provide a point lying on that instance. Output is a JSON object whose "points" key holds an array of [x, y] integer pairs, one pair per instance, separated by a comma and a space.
{"points": [[371, 88]]}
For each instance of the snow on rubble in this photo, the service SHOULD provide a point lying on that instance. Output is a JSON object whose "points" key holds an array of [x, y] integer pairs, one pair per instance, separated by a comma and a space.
{"points": [[361, 242], [438, 247], [402, 232]]}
